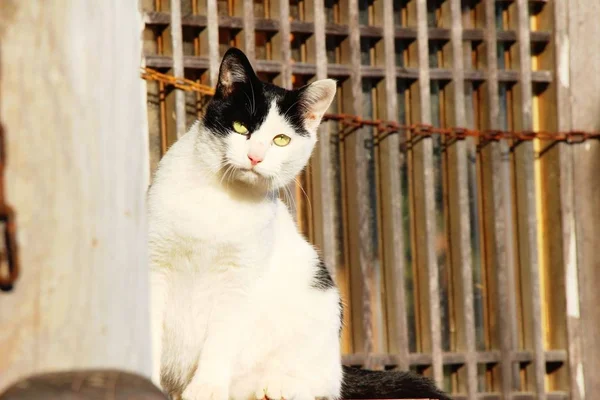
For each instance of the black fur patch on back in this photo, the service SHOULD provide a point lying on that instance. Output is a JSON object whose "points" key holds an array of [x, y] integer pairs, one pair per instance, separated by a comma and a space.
{"points": [[322, 279], [246, 99], [365, 384]]}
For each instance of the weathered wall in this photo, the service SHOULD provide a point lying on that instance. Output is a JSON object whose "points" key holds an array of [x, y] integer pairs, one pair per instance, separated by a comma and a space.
{"points": [[72, 106], [584, 35]]}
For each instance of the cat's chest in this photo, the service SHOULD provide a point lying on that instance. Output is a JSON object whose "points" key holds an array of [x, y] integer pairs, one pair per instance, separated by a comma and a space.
{"points": [[212, 215]]}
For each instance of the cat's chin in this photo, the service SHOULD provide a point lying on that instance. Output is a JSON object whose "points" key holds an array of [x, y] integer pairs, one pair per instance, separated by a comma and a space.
{"points": [[250, 178]]}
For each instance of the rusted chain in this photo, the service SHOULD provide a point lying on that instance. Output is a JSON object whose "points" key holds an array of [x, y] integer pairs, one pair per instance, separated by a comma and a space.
{"points": [[9, 234], [350, 123], [181, 83]]}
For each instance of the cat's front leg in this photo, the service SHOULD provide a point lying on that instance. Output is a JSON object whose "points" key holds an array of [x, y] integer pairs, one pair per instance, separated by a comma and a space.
{"points": [[212, 377]]}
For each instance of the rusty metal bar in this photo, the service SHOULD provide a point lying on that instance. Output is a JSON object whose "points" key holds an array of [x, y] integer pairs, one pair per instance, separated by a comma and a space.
{"points": [[178, 70]]}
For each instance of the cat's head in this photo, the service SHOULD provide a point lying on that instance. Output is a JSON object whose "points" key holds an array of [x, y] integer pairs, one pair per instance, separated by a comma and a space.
{"points": [[265, 134]]}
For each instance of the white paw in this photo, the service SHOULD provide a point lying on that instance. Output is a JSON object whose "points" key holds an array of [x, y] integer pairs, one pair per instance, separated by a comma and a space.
{"points": [[271, 392], [278, 389], [203, 391]]}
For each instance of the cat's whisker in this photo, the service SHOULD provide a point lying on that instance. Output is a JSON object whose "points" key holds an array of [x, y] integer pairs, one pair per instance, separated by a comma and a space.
{"points": [[249, 105], [253, 100], [305, 195]]}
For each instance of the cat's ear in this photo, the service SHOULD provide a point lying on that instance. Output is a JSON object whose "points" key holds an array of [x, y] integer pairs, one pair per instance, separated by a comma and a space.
{"points": [[235, 70], [316, 100]]}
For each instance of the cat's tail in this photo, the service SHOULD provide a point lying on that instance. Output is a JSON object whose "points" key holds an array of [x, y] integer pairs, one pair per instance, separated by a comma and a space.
{"points": [[366, 384]]}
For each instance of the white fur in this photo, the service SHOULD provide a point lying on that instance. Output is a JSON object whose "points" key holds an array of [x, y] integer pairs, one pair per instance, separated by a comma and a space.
{"points": [[234, 312]]}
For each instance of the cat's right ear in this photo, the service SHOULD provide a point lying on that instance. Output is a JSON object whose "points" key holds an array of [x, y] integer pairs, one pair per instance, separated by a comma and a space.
{"points": [[235, 70]]}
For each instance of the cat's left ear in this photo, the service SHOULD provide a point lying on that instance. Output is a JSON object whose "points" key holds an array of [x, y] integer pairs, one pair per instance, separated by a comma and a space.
{"points": [[234, 72], [317, 98]]}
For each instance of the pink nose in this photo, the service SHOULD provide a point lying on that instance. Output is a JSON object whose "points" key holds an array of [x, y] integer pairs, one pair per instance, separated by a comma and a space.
{"points": [[254, 159]]}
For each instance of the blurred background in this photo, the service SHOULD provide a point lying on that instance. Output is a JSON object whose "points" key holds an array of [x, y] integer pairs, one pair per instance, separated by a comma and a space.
{"points": [[463, 243]]}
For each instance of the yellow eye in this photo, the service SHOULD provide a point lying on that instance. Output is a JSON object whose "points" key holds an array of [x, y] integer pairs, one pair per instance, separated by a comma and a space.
{"points": [[240, 128], [282, 140]]}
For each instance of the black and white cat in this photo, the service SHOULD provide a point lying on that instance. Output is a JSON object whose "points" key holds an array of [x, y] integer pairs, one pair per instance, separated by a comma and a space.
{"points": [[242, 306]]}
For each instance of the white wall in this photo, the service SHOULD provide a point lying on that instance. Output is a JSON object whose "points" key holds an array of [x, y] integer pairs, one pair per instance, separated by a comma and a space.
{"points": [[71, 103]]}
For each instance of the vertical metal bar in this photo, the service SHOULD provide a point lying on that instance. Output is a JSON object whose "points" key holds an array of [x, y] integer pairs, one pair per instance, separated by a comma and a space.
{"points": [[423, 181], [249, 32], [212, 18], [460, 228], [526, 209], [499, 250], [177, 42], [391, 194]]}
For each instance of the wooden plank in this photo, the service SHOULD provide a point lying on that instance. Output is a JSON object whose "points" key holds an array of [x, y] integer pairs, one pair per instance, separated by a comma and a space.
{"points": [[424, 213], [561, 253], [177, 49], [400, 32], [391, 201], [285, 45], [249, 31], [212, 18], [344, 71], [459, 221], [498, 218], [526, 216], [299, 201], [366, 271], [453, 358], [82, 297], [325, 208], [584, 35]]}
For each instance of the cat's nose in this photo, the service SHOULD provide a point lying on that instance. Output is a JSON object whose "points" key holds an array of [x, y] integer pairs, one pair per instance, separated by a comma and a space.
{"points": [[254, 159]]}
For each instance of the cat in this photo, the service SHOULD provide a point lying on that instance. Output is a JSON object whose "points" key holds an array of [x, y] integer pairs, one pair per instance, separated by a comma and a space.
{"points": [[242, 305]]}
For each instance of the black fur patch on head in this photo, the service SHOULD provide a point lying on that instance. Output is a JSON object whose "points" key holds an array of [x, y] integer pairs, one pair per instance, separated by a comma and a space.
{"points": [[240, 96]]}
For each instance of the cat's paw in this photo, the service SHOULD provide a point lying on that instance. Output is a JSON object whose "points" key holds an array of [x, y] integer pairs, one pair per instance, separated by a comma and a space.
{"points": [[278, 389], [270, 392], [204, 391]]}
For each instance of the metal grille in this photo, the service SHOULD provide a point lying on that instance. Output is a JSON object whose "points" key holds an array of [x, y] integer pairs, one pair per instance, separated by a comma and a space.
{"points": [[443, 250]]}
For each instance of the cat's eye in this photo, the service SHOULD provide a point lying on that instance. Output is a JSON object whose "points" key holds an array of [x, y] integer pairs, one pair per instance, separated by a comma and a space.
{"points": [[240, 128], [282, 140]]}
